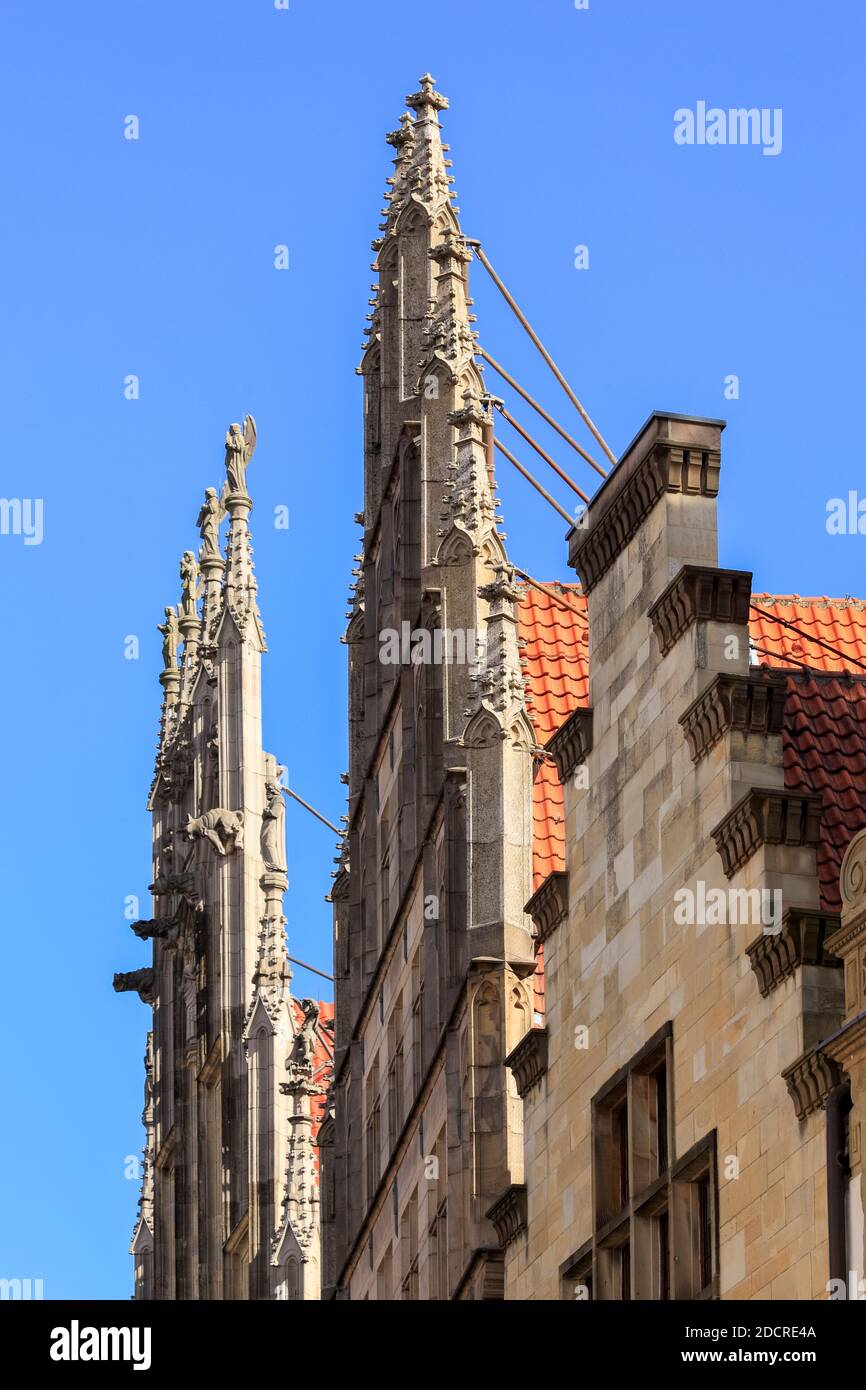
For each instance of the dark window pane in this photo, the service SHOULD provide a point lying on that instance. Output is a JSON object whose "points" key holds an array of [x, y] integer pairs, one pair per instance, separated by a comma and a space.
{"points": [[661, 1080], [664, 1257], [705, 1232], [621, 1132]]}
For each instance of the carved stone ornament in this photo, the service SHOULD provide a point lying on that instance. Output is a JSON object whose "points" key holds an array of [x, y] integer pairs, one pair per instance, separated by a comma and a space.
{"points": [[528, 1060], [223, 829], [509, 1213], [766, 816]]}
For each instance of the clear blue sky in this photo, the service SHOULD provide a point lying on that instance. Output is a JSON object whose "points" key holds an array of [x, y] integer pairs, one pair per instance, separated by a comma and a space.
{"points": [[155, 257]]}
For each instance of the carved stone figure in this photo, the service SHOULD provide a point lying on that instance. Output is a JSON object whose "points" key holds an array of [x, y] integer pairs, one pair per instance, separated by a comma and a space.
{"points": [[240, 446], [224, 829], [273, 835], [189, 583], [212, 512], [170, 638], [305, 1039], [156, 927], [210, 771], [138, 982]]}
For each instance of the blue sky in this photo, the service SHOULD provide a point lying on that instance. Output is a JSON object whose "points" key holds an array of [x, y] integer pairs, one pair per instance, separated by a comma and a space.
{"points": [[155, 257]]}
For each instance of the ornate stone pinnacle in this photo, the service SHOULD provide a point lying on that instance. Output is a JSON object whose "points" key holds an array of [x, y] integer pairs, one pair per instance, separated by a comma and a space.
{"points": [[427, 98]]}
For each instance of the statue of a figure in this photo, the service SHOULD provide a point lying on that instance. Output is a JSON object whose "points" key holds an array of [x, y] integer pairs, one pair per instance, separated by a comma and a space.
{"points": [[170, 639], [212, 512], [305, 1039], [189, 583], [240, 446], [273, 837]]}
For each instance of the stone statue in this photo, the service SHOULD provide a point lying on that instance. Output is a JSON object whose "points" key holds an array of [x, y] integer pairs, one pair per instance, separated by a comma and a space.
{"points": [[170, 638], [273, 836], [212, 512], [240, 446], [189, 583], [223, 829], [305, 1039]]}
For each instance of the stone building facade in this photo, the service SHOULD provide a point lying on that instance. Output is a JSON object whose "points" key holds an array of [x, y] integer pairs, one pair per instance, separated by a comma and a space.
{"points": [[236, 1068], [688, 1123], [599, 995]]}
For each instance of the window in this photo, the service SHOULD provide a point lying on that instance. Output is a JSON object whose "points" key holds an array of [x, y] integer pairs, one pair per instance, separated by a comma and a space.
{"points": [[705, 1243], [660, 1080], [409, 1249], [395, 1073], [655, 1217], [373, 1130]]}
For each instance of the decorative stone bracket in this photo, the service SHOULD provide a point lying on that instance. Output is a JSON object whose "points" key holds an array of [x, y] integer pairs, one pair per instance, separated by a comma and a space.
{"points": [[810, 1080], [766, 816], [509, 1213], [571, 743], [753, 704], [700, 594], [548, 905], [528, 1060], [802, 940]]}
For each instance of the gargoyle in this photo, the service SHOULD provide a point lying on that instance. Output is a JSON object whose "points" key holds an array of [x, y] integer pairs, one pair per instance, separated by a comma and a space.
{"points": [[156, 927], [140, 982]]}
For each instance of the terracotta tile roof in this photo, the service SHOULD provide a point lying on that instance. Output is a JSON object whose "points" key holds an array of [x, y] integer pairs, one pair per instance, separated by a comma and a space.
{"points": [[552, 629], [824, 741], [839, 622], [824, 736], [824, 751]]}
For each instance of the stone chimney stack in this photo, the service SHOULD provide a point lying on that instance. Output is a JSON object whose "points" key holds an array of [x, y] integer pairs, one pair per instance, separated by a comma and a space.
{"points": [[655, 513]]}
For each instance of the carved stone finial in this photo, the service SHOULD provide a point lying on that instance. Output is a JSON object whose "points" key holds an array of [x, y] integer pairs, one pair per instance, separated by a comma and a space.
{"points": [[427, 99]]}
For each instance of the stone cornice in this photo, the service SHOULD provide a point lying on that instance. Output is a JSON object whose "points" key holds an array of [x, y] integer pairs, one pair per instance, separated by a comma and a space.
{"points": [[847, 1048], [766, 816], [810, 1080], [509, 1213], [700, 593], [671, 453], [571, 743], [753, 704], [528, 1060], [548, 905], [846, 937], [801, 940]]}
